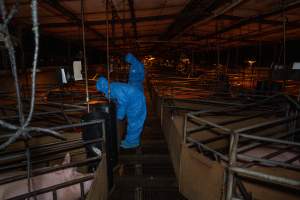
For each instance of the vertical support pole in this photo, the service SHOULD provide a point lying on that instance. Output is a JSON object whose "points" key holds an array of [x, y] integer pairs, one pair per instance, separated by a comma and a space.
{"points": [[284, 52], [192, 70], [218, 46], [184, 128], [133, 22], [284, 20], [284, 40], [107, 49], [123, 24], [138, 194], [29, 170], [113, 27], [234, 138], [287, 114], [28, 166], [84, 56], [161, 112], [54, 194], [259, 47], [81, 190], [103, 131], [69, 48]]}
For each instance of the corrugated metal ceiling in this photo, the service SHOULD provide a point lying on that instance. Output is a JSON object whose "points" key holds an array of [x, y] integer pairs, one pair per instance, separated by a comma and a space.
{"points": [[165, 19]]}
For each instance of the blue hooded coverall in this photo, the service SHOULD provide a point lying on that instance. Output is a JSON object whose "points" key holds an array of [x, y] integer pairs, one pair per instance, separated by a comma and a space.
{"points": [[136, 72], [131, 103]]}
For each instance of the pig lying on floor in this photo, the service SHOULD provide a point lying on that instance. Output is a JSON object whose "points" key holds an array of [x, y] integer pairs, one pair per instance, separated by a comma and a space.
{"points": [[72, 192]]}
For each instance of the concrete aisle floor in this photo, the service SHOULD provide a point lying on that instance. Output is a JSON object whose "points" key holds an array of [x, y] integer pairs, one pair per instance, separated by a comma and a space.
{"points": [[146, 173]]}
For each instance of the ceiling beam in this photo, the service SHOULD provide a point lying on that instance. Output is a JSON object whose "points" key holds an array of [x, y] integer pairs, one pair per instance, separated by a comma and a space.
{"points": [[246, 39], [103, 22], [261, 21], [260, 34], [252, 19], [195, 38], [120, 48], [71, 16], [127, 37], [150, 19], [194, 11], [218, 13]]}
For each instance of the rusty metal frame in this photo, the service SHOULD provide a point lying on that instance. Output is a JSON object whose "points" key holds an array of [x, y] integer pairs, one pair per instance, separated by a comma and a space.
{"points": [[233, 156]]}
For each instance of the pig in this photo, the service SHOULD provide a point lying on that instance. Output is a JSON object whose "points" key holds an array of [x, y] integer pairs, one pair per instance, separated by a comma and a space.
{"points": [[72, 192], [261, 152]]}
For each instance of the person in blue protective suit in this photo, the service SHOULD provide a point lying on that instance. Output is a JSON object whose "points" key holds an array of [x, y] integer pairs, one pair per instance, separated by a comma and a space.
{"points": [[131, 103], [136, 72]]}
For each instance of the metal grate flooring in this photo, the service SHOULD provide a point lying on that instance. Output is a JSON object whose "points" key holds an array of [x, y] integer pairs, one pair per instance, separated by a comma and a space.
{"points": [[146, 173]]}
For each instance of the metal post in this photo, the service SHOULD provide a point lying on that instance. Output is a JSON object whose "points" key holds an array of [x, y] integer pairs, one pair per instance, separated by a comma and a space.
{"points": [[234, 137], [161, 112], [266, 177], [54, 193], [107, 49], [84, 56], [81, 190], [138, 195], [185, 128]]}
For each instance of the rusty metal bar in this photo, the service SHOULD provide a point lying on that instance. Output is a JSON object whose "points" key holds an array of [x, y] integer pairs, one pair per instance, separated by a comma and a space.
{"points": [[266, 177], [267, 124], [254, 137], [38, 172], [45, 113], [227, 130], [234, 139], [53, 188]]}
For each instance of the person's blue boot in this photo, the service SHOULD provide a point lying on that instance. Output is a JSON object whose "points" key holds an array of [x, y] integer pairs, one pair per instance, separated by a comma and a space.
{"points": [[126, 145]]}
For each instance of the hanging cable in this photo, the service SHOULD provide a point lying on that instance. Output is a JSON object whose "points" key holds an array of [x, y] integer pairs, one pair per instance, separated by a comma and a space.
{"points": [[107, 49], [84, 56], [11, 53], [218, 43], [284, 50], [284, 21], [284, 40], [22, 129], [35, 29], [123, 24]]}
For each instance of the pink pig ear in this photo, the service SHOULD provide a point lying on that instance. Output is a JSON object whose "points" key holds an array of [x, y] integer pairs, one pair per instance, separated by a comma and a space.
{"points": [[67, 159]]}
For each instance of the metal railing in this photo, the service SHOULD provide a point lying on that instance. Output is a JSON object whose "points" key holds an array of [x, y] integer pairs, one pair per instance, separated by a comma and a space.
{"points": [[39, 154], [229, 134]]}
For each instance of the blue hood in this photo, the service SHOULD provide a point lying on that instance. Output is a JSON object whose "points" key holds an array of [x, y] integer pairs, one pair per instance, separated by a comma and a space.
{"points": [[129, 58], [102, 85]]}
